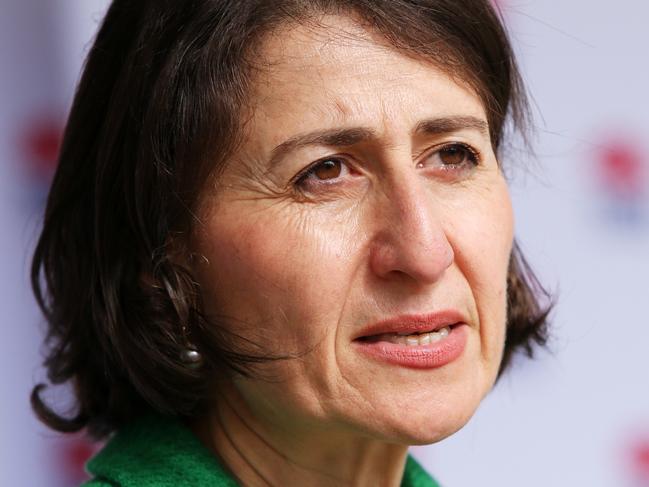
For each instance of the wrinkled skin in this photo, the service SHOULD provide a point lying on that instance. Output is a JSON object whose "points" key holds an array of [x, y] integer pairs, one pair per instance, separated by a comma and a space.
{"points": [[391, 225]]}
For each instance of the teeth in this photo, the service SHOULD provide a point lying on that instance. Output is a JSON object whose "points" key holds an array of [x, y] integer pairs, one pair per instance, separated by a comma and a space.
{"points": [[411, 340], [416, 339]]}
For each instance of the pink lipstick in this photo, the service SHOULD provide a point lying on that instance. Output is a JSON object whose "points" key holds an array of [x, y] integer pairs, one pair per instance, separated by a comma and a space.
{"points": [[415, 341]]}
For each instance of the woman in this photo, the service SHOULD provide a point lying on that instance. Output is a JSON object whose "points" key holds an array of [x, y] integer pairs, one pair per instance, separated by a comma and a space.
{"points": [[278, 249]]}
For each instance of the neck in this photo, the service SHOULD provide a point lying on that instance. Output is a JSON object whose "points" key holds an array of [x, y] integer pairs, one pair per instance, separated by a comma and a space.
{"points": [[262, 456]]}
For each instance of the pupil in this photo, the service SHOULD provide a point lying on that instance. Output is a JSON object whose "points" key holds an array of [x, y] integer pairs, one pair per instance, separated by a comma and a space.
{"points": [[328, 170], [452, 155]]}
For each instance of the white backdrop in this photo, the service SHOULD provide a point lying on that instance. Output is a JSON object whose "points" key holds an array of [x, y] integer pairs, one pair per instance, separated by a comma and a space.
{"points": [[578, 415]]}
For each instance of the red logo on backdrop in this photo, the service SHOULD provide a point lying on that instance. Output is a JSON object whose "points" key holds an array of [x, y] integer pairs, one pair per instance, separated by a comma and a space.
{"points": [[622, 169], [71, 454], [638, 461], [641, 458], [40, 143], [37, 147], [623, 181]]}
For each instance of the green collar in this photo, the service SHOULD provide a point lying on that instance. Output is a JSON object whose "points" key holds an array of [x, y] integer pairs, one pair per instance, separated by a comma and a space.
{"points": [[158, 451]]}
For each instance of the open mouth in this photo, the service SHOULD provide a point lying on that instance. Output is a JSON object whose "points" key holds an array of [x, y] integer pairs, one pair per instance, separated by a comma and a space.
{"points": [[411, 339], [420, 347]]}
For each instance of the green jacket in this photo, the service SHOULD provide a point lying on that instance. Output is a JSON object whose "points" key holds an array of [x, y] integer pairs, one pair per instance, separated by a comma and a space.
{"points": [[157, 451]]}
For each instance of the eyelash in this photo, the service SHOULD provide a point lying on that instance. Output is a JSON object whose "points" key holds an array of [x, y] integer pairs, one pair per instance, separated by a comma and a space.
{"points": [[300, 180], [473, 158]]}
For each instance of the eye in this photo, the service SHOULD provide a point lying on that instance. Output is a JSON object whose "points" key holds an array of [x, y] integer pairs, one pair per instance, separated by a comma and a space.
{"points": [[454, 156], [325, 171]]}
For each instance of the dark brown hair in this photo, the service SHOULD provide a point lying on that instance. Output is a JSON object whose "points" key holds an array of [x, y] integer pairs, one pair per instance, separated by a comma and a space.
{"points": [[155, 114]]}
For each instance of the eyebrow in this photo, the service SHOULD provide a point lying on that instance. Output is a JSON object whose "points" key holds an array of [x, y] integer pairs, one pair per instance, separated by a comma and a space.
{"points": [[355, 135]]}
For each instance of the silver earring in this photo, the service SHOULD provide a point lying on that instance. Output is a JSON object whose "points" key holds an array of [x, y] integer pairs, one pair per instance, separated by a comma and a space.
{"points": [[190, 356]]}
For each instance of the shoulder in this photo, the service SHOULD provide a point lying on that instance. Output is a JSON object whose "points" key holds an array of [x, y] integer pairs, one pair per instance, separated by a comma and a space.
{"points": [[415, 476], [98, 483], [156, 451]]}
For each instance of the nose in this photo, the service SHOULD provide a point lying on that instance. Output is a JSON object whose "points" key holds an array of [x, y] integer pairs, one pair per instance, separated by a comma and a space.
{"points": [[409, 239]]}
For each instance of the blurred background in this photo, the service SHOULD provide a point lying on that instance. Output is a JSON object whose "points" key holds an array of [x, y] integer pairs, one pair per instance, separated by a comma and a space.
{"points": [[578, 414]]}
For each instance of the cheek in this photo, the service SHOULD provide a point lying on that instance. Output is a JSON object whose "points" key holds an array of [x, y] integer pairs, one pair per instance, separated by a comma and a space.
{"points": [[483, 243], [278, 268]]}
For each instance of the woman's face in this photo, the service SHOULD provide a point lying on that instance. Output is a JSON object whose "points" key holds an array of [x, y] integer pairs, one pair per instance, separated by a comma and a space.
{"points": [[366, 190]]}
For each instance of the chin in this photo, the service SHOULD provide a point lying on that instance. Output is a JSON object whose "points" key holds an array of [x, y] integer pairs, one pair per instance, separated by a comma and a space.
{"points": [[423, 419], [431, 429], [431, 422], [436, 430]]}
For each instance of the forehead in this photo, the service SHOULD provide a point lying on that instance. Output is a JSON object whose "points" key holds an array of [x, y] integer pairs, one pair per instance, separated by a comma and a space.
{"points": [[334, 72]]}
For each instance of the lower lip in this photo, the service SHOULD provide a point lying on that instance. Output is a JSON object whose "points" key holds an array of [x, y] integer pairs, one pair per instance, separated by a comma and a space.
{"points": [[429, 356]]}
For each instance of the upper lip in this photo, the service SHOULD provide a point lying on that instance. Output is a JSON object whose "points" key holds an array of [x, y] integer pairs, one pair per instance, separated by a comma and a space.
{"points": [[413, 323]]}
